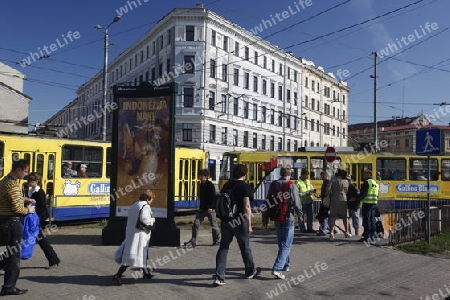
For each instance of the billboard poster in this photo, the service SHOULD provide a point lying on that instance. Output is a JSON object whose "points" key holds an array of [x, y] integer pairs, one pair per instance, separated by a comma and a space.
{"points": [[143, 151]]}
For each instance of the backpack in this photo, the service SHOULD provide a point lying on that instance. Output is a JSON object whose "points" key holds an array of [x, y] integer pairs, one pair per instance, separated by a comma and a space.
{"points": [[225, 204], [278, 208]]}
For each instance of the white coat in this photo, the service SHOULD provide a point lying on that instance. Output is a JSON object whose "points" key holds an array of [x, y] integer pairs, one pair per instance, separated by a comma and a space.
{"points": [[136, 241]]}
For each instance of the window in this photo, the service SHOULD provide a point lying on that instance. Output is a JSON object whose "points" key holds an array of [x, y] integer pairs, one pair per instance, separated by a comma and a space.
{"points": [[255, 83], [289, 73], [264, 87], [343, 115], [280, 118], [263, 114], [273, 65], [153, 73], [245, 138], [160, 70], [212, 68], [236, 49], [391, 168], [224, 135], [265, 62], [255, 112], [306, 122], [255, 140], [306, 82], [188, 99], [235, 137], [212, 133], [295, 76], [153, 47], [247, 53], [280, 144], [236, 77], [92, 156], [313, 103], [272, 116], [306, 101], [213, 37], [288, 145], [343, 99], [272, 143], [263, 142], [406, 143], [225, 43], [317, 125], [190, 33], [256, 57], [280, 69], [168, 66], [189, 66], [397, 143], [212, 100], [246, 108], [445, 169], [169, 36], [224, 103], [417, 167], [288, 96], [313, 85], [280, 92], [246, 80], [272, 90], [187, 132], [312, 124], [225, 72], [235, 106], [161, 42], [296, 146]]}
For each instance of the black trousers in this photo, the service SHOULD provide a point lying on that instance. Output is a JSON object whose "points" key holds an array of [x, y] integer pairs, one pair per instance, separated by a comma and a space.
{"points": [[48, 250], [12, 230]]}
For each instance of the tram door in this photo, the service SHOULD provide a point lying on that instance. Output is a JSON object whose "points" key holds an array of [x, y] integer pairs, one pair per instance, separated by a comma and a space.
{"points": [[42, 163], [357, 171]]}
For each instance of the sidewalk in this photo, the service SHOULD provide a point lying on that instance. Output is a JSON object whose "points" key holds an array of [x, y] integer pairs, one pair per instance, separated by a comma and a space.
{"points": [[320, 269]]}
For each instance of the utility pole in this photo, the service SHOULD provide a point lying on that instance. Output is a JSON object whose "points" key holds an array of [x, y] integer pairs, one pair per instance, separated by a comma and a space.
{"points": [[374, 76]]}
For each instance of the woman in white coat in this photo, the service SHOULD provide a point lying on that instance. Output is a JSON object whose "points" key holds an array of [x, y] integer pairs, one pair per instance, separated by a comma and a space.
{"points": [[137, 237]]}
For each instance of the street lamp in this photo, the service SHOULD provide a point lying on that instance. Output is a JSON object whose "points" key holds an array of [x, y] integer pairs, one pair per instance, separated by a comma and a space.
{"points": [[105, 70]]}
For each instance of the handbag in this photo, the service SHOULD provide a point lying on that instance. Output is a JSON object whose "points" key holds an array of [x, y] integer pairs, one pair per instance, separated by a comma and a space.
{"points": [[326, 201], [139, 224]]}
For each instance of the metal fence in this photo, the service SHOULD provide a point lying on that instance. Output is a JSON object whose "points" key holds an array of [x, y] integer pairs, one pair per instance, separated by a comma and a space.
{"points": [[405, 220]]}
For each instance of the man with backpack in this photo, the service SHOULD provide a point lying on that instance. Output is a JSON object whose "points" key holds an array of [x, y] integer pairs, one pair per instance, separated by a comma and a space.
{"points": [[239, 225], [282, 201]]}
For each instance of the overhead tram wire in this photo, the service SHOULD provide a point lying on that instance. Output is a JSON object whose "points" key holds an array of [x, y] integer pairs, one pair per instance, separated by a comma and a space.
{"points": [[324, 35], [354, 25]]}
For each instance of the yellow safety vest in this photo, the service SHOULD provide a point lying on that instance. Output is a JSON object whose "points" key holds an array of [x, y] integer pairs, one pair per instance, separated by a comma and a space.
{"points": [[303, 187], [372, 193]]}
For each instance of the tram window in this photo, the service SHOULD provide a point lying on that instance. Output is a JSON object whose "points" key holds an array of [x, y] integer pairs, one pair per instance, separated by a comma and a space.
{"points": [[108, 162], [40, 163], [445, 168], [316, 166], [212, 169], [51, 166], [2, 162], [90, 156], [418, 169], [391, 168]]}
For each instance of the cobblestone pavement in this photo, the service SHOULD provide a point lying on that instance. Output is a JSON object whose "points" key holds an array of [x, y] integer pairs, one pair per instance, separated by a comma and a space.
{"points": [[320, 269]]}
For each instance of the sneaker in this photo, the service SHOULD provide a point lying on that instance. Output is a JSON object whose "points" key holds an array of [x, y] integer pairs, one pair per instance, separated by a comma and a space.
{"points": [[218, 281], [347, 235], [148, 276], [117, 280], [190, 244], [278, 274], [256, 272], [321, 233], [286, 269]]}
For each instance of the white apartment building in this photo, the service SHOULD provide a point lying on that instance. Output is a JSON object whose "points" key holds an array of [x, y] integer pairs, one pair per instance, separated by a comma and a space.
{"points": [[237, 92]]}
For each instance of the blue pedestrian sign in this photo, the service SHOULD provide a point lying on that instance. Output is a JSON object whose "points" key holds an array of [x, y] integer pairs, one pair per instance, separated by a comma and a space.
{"points": [[430, 142]]}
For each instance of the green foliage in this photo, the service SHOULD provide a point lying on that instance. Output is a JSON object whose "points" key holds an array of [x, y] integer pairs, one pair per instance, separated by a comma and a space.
{"points": [[439, 246]]}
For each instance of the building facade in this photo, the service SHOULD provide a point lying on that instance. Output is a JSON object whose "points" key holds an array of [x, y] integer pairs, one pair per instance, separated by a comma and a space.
{"points": [[14, 104], [237, 92], [398, 134]]}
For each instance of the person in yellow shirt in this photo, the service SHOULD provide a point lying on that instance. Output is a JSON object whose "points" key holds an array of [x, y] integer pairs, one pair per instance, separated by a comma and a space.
{"points": [[306, 190]]}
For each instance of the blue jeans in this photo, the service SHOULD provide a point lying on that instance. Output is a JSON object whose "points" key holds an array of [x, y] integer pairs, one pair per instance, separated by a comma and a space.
{"points": [[308, 210], [354, 214], [368, 214], [323, 226], [242, 237], [285, 234]]}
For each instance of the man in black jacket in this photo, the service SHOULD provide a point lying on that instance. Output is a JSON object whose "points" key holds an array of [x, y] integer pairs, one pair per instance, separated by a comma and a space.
{"points": [[207, 193]]}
